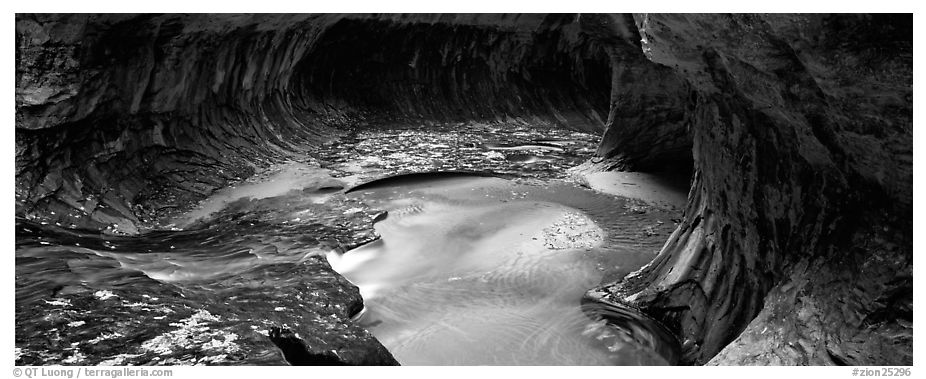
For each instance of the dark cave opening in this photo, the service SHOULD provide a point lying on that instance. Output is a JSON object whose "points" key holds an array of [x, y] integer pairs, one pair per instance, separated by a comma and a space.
{"points": [[451, 73]]}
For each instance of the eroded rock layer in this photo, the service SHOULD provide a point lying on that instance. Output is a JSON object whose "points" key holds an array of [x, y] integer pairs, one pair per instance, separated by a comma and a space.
{"points": [[797, 241], [121, 118], [802, 131]]}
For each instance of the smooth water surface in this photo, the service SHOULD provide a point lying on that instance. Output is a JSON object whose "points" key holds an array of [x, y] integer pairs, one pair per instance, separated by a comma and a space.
{"points": [[482, 271]]}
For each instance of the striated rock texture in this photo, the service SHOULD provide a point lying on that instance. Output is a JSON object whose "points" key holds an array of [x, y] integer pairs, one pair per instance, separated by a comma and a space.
{"points": [[798, 230], [796, 247], [123, 118], [648, 121], [86, 299]]}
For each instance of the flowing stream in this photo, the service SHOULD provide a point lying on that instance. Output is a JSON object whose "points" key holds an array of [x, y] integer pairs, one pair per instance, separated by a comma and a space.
{"points": [[485, 271], [454, 269]]}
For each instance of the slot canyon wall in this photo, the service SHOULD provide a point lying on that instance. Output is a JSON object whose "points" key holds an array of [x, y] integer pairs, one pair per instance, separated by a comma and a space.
{"points": [[123, 118], [796, 247], [799, 219]]}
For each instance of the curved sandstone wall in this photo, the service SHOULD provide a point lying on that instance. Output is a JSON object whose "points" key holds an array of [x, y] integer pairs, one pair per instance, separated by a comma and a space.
{"points": [[123, 118], [799, 220], [797, 241]]}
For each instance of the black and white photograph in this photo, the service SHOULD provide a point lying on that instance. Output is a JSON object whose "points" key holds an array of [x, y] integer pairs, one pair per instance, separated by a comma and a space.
{"points": [[460, 189]]}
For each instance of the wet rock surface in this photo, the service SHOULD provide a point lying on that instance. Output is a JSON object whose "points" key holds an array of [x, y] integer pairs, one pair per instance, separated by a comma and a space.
{"points": [[132, 303], [169, 108], [796, 245], [802, 129], [241, 277], [512, 150]]}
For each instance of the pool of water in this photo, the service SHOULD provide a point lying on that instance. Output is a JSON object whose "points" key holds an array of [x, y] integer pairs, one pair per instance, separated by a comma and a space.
{"points": [[458, 269], [482, 271]]}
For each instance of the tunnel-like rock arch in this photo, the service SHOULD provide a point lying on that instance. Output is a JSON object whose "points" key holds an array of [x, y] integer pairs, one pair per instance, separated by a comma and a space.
{"points": [[797, 241]]}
